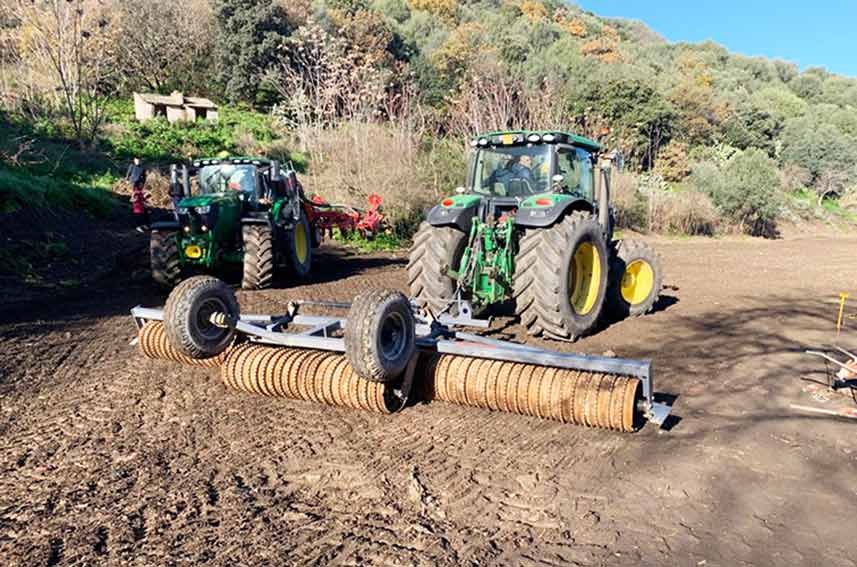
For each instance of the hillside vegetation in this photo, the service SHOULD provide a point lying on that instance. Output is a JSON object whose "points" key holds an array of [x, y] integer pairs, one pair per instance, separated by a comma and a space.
{"points": [[381, 96]]}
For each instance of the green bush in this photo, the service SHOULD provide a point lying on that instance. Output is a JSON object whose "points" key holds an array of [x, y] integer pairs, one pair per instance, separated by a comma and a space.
{"points": [[745, 189]]}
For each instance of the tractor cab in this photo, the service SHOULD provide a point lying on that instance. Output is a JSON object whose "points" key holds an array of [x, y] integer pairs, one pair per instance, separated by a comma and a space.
{"points": [[257, 182], [524, 164]]}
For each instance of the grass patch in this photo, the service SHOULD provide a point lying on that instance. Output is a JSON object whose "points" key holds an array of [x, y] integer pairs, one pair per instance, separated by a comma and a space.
{"points": [[19, 189], [379, 243]]}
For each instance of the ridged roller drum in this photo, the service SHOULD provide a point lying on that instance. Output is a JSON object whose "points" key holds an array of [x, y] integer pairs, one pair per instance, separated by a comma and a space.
{"points": [[605, 401], [302, 374], [155, 344]]}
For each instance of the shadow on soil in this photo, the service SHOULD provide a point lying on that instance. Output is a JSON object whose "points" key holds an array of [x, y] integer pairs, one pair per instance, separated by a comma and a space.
{"points": [[736, 371]]}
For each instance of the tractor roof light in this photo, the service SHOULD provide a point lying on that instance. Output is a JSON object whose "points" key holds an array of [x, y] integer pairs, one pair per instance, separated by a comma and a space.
{"points": [[473, 143], [548, 137], [483, 142], [534, 138]]}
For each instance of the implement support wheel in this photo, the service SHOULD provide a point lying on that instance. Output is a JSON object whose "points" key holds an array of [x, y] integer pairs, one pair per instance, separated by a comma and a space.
{"points": [[380, 336], [196, 316]]}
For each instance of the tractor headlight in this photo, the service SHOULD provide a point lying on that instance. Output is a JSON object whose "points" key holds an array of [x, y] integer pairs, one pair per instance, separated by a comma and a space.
{"points": [[203, 210], [204, 228], [187, 229]]}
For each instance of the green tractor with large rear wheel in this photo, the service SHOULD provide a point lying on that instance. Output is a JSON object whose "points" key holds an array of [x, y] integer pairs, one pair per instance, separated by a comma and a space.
{"points": [[236, 211], [534, 224]]}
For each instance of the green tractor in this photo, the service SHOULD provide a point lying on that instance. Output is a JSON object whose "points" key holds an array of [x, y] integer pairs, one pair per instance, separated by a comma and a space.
{"points": [[244, 211], [535, 225]]}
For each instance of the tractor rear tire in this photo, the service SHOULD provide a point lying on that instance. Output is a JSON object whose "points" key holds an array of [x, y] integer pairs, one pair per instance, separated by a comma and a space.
{"points": [[435, 248], [299, 245], [636, 277], [187, 316], [164, 258], [258, 256], [380, 337], [561, 277]]}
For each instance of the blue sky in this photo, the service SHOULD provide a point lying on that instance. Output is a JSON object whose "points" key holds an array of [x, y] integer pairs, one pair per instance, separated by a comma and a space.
{"points": [[811, 34]]}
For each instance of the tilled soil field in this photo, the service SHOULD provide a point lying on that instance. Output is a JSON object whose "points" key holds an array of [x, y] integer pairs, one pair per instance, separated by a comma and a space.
{"points": [[107, 458]]}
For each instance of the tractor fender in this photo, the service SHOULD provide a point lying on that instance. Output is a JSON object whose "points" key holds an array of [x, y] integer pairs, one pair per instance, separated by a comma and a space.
{"points": [[459, 217], [165, 225], [541, 217]]}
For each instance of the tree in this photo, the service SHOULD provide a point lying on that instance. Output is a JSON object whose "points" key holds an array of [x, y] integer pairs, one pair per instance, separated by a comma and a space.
{"points": [[68, 52], [247, 43], [163, 57], [322, 79], [817, 146], [638, 118]]}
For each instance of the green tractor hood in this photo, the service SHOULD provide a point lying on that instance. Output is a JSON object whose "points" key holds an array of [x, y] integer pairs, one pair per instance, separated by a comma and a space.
{"points": [[208, 199]]}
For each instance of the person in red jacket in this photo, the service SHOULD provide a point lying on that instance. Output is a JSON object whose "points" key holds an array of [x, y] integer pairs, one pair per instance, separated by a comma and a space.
{"points": [[139, 209], [137, 177]]}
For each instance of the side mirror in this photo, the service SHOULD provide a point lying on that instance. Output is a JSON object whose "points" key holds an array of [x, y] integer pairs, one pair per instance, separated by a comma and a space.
{"points": [[275, 171]]}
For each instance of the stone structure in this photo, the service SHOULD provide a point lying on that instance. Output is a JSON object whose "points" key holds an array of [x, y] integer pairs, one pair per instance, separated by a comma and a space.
{"points": [[174, 107]]}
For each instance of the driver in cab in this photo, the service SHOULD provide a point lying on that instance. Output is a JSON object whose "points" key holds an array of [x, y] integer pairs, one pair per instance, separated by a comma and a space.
{"points": [[518, 168]]}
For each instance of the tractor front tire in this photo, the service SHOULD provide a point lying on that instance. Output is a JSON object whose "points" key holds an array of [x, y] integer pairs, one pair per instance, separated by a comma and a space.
{"points": [[164, 258], [258, 256], [561, 277], [299, 245], [435, 248], [636, 277], [188, 316]]}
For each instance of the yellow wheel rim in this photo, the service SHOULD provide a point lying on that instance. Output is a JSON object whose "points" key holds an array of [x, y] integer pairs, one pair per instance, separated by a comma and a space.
{"points": [[301, 248], [585, 278], [637, 282]]}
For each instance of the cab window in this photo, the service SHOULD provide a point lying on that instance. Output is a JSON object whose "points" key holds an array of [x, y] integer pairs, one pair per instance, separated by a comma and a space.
{"points": [[575, 167]]}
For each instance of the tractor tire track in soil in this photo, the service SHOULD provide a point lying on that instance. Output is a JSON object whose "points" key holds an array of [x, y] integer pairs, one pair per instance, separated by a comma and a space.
{"points": [[109, 458]]}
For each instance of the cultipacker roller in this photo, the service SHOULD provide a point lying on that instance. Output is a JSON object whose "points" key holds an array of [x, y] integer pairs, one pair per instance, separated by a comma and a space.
{"points": [[388, 351]]}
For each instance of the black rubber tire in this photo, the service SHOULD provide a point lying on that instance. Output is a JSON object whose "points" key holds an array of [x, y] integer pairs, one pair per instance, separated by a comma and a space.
{"points": [[186, 316], [541, 283], [297, 267], [164, 258], [380, 336], [317, 237], [625, 253], [258, 256], [434, 248]]}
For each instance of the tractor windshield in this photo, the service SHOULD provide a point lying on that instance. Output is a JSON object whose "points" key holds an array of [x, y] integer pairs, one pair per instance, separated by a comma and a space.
{"points": [[227, 177], [512, 172]]}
